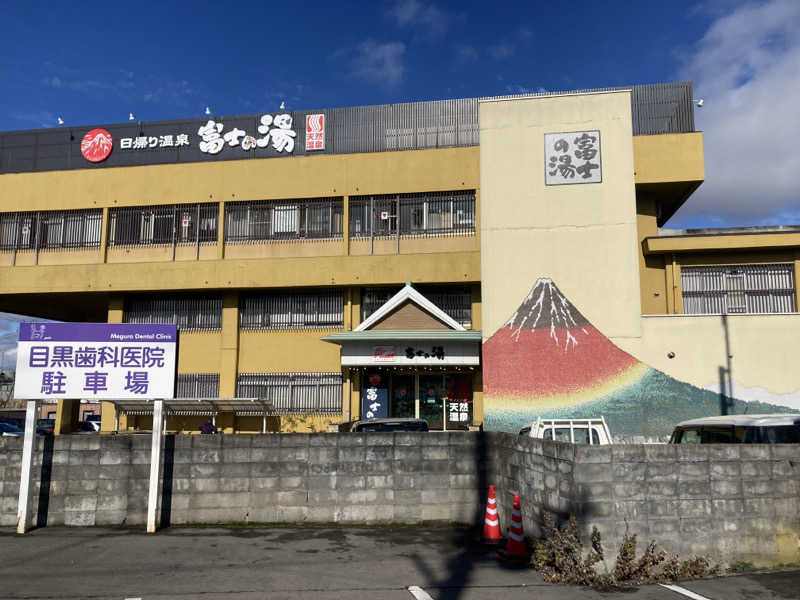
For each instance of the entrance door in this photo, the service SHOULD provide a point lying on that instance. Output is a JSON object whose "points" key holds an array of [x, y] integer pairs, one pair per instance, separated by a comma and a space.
{"points": [[431, 400], [402, 404]]}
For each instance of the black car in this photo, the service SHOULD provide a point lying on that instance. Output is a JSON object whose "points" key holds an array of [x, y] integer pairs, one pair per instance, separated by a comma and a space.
{"points": [[390, 425]]}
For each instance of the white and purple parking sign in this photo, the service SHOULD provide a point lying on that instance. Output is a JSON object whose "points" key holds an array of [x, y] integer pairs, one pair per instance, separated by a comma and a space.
{"points": [[95, 360]]}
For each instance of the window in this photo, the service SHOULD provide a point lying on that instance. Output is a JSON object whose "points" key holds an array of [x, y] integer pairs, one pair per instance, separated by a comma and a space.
{"points": [[456, 301], [50, 230], [188, 312], [162, 225], [282, 310], [731, 289], [264, 220], [423, 214], [197, 385], [294, 392]]}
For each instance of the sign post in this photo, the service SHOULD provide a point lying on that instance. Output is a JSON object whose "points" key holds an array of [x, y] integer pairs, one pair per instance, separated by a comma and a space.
{"points": [[155, 465], [101, 361], [24, 516]]}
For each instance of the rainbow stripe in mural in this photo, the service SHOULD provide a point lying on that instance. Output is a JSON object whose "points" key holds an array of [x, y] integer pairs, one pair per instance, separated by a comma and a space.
{"points": [[547, 360]]}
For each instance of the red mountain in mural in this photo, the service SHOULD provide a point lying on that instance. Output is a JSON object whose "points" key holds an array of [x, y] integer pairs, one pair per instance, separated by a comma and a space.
{"points": [[548, 348]]}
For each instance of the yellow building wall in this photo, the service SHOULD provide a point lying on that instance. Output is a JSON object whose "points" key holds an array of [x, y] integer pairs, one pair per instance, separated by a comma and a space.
{"points": [[583, 236], [270, 178]]}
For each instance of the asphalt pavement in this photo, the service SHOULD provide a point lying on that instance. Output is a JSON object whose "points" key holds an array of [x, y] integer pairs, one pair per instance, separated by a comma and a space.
{"points": [[303, 564]]}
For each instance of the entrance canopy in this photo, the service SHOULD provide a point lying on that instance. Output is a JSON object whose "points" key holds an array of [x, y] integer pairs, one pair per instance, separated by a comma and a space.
{"points": [[408, 331]]}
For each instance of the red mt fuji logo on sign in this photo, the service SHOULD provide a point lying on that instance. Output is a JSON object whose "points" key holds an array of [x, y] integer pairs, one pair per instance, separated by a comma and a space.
{"points": [[96, 145]]}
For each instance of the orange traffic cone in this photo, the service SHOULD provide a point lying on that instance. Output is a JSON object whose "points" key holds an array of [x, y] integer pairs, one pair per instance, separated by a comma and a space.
{"points": [[515, 546], [491, 524]]}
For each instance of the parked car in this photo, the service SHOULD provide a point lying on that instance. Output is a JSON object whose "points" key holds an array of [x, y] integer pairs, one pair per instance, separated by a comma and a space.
{"points": [[575, 431], [7, 429], [739, 429], [390, 425], [15, 421], [45, 425], [87, 427]]}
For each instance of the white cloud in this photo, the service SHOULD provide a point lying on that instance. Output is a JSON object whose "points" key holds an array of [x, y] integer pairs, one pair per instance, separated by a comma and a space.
{"points": [[380, 63], [747, 68], [427, 17]]}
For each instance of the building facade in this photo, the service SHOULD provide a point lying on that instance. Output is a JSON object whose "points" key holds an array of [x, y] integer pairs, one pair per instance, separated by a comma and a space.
{"points": [[471, 262]]}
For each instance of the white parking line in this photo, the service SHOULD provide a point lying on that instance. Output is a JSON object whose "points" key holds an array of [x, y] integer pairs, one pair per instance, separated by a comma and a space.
{"points": [[419, 593], [688, 593]]}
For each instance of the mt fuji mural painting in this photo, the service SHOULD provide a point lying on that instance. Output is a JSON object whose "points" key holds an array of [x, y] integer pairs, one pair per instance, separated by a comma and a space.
{"points": [[547, 360]]}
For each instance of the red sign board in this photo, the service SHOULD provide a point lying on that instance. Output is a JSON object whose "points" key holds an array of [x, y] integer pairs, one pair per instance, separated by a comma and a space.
{"points": [[96, 145], [315, 132]]}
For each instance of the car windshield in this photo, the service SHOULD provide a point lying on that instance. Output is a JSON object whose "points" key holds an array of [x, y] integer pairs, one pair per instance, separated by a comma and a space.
{"points": [[581, 434]]}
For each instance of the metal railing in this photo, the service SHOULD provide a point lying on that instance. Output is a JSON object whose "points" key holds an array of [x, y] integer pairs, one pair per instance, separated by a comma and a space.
{"points": [[278, 310], [294, 392], [268, 220], [197, 385], [49, 230], [731, 289], [420, 214], [456, 301], [162, 225], [188, 312]]}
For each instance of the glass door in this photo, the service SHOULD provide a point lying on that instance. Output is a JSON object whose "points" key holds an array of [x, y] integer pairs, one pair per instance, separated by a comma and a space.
{"points": [[431, 400], [402, 403]]}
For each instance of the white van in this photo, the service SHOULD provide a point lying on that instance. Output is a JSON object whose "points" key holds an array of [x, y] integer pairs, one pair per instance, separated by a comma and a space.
{"points": [[739, 429], [574, 431]]}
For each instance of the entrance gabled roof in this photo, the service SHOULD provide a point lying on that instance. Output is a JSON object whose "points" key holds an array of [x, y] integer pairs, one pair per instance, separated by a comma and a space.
{"points": [[409, 294]]}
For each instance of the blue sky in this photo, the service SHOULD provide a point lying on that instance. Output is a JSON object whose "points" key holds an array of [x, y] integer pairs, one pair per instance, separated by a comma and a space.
{"points": [[94, 62]]}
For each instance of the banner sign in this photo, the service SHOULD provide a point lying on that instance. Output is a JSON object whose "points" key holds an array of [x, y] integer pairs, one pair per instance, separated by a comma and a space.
{"points": [[375, 396], [96, 360]]}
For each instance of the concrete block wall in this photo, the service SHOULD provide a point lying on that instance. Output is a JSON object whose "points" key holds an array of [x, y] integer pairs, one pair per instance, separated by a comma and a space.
{"points": [[376, 478], [733, 502]]}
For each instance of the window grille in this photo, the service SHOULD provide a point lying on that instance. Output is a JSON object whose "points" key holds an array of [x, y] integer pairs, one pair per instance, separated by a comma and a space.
{"points": [[197, 385], [50, 229], [422, 214], [280, 310], [732, 289], [294, 392], [163, 225], [189, 312], [266, 220], [456, 301]]}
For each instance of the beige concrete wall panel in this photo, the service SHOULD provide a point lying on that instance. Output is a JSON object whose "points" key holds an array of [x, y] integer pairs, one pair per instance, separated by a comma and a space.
{"points": [[269, 178], [285, 249], [199, 351], [583, 236], [281, 351], [763, 351], [752, 257], [25, 258], [139, 254], [192, 252], [415, 245], [245, 273], [668, 157], [70, 257], [716, 242]]}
